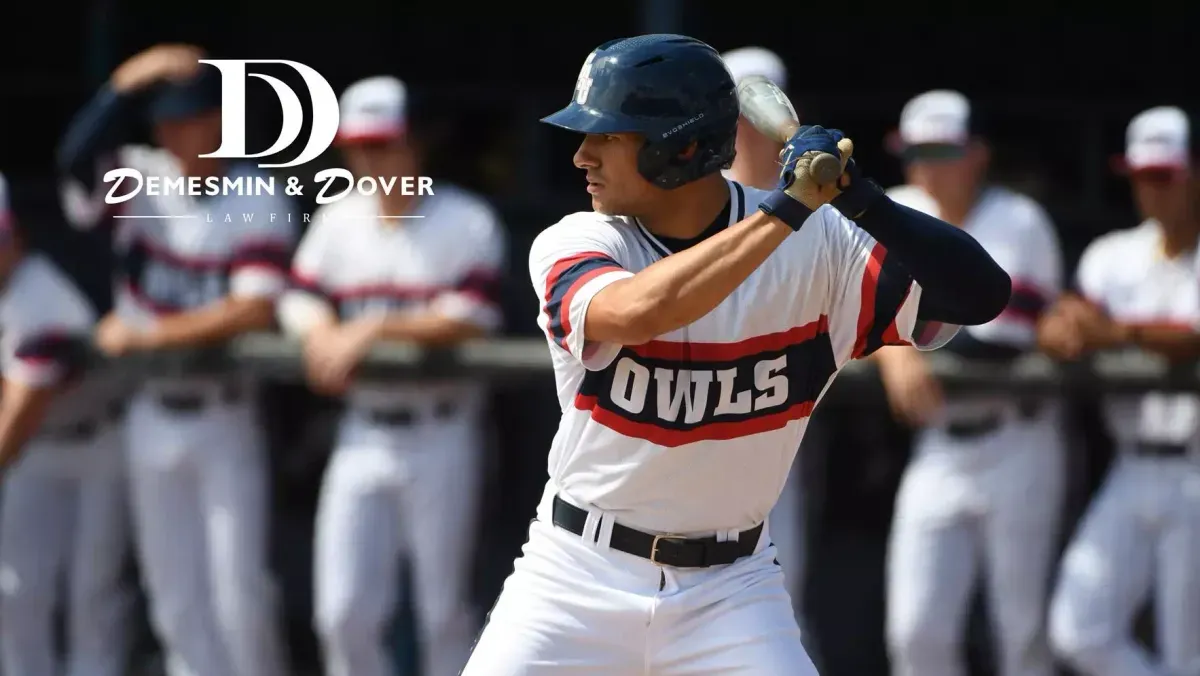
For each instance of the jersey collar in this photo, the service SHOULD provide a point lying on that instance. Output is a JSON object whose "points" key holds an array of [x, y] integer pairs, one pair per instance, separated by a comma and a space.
{"points": [[734, 212]]}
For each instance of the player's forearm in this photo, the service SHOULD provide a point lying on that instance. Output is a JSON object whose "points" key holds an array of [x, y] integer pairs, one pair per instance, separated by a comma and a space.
{"points": [[427, 329], [212, 324], [960, 283], [683, 287], [22, 411], [96, 130], [1177, 343]]}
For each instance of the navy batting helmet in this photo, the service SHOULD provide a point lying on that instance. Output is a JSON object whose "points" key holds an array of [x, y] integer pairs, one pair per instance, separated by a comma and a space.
{"points": [[672, 89]]}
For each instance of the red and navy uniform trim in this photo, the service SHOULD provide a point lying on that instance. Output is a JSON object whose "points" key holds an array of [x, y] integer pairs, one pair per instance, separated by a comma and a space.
{"points": [[885, 286], [57, 349], [1027, 302], [802, 355], [566, 278]]}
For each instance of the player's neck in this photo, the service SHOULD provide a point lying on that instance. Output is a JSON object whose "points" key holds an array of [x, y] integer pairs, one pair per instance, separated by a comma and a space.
{"points": [[756, 172], [956, 208], [687, 211], [396, 204], [1180, 237]]}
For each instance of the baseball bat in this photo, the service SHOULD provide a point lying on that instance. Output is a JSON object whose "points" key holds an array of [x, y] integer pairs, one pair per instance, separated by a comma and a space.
{"points": [[767, 108]]}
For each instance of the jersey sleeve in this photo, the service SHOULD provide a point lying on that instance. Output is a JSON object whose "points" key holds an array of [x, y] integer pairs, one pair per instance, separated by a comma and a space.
{"points": [[475, 296], [570, 263], [260, 261], [308, 296], [874, 300], [1036, 273], [45, 340]]}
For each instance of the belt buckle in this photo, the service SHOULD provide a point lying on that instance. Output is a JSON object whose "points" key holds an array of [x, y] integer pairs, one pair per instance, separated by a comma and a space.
{"points": [[654, 546]]}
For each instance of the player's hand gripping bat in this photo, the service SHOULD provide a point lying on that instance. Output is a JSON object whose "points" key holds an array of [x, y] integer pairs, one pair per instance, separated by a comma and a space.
{"points": [[770, 111]]}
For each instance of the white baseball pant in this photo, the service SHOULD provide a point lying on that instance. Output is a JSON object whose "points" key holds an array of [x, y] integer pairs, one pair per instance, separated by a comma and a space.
{"points": [[1141, 534], [991, 507], [200, 506], [63, 513], [574, 606], [390, 492]]}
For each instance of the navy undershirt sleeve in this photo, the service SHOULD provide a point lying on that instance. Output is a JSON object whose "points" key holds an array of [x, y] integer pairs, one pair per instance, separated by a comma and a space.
{"points": [[960, 283], [99, 128]]}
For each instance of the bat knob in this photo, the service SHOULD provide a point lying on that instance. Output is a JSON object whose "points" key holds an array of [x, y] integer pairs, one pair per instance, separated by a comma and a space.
{"points": [[825, 169]]}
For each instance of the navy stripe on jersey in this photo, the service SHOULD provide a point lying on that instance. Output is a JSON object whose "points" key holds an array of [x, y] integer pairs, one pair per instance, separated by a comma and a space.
{"points": [[1027, 302], [164, 281], [885, 286], [671, 393], [266, 254], [308, 284], [483, 285], [55, 348], [566, 277]]}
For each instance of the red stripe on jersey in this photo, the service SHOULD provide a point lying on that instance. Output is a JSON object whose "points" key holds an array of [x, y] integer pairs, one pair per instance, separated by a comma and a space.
{"points": [[717, 431], [866, 307], [680, 351], [891, 335], [578, 275]]}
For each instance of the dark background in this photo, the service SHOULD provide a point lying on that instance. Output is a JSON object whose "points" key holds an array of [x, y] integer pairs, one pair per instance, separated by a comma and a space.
{"points": [[1057, 87]]}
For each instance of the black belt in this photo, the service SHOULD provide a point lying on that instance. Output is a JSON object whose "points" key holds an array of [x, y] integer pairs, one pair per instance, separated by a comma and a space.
{"points": [[84, 430], [1155, 449], [974, 429], [194, 402], [663, 550], [404, 416]]}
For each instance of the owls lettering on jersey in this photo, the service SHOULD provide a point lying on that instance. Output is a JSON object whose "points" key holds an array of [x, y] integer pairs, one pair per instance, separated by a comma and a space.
{"points": [[1126, 273], [695, 430], [450, 260]]}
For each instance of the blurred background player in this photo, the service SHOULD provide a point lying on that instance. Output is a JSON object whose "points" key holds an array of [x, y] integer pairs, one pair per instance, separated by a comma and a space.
{"points": [[197, 462], [982, 496], [404, 478], [62, 511], [1137, 288], [756, 164]]}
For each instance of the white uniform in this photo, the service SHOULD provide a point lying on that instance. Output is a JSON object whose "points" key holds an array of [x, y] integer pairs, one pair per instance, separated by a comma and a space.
{"points": [[404, 478], [691, 434], [982, 497], [62, 515], [788, 530], [197, 462], [1141, 534]]}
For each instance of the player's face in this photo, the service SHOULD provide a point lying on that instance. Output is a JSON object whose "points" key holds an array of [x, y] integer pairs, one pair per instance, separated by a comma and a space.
{"points": [[190, 137], [1162, 194], [947, 172], [613, 180], [386, 157]]}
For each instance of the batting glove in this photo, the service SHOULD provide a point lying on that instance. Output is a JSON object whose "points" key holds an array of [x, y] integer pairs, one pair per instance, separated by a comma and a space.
{"points": [[797, 195]]}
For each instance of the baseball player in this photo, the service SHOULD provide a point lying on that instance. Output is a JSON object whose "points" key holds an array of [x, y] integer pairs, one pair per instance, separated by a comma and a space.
{"points": [[693, 323], [756, 165], [187, 278], [982, 497], [62, 510], [1137, 288], [404, 477]]}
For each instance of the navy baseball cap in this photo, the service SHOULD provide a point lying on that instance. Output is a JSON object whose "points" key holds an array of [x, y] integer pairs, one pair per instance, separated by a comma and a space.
{"points": [[177, 100]]}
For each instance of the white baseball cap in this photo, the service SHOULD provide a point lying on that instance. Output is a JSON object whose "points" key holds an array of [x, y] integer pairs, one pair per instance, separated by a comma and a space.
{"points": [[938, 117], [747, 61], [1159, 138], [374, 109]]}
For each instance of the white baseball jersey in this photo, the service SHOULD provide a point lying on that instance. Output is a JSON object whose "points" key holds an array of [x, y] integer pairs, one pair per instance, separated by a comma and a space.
{"points": [[1019, 235], [179, 253], [45, 323], [447, 260], [1126, 273], [695, 431]]}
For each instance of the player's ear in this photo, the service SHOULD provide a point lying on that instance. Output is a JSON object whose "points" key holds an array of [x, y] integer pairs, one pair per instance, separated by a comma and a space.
{"points": [[688, 152], [980, 151]]}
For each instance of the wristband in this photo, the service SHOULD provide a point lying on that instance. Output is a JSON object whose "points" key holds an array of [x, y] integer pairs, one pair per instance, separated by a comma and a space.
{"points": [[782, 206]]}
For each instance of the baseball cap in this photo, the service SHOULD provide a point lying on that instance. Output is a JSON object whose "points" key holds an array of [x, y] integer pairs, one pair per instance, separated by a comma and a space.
{"points": [[374, 109], [1157, 139], [187, 98], [936, 124], [747, 61]]}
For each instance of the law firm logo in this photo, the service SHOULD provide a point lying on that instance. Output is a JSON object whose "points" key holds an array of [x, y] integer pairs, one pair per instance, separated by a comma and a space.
{"points": [[335, 183], [325, 113]]}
